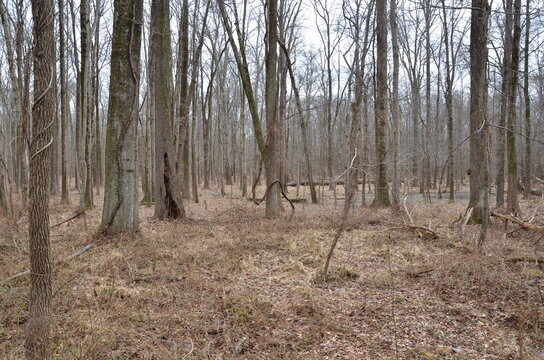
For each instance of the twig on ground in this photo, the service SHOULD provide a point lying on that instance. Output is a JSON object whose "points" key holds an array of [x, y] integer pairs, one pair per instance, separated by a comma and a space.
{"points": [[74, 255], [539, 261], [78, 214], [157, 277], [416, 274]]}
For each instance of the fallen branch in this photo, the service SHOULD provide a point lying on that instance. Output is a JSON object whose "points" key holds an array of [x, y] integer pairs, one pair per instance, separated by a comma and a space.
{"points": [[515, 220], [78, 214], [74, 255], [539, 261], [416, 274], [157, 277], [78, 253]]}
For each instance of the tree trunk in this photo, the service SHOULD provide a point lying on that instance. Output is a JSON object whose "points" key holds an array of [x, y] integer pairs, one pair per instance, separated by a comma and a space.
{"points": [[512, 205], [479, 140], [43, 111], [243, 155], [505, 88], [449, 104], [65, 199], [528, 157], [382, 188], [395, 109], [182, 160], [168, 202], [272, 160], [86, 198], [120, 212]]}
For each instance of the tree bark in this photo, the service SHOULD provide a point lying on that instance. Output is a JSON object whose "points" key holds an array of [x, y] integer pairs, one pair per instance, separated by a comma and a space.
{"points": [[86, 198], [168, 202], [479, 140], [381, 198], [43, 111], [272, 160], [182, 158], [528, 158], [512, 202], [505, 88], [395, 109], [65, 199], [449, 104], [120, 212]]}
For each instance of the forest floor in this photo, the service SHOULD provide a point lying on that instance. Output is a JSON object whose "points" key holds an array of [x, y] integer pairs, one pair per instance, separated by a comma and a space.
{"points": [[229, 284]]}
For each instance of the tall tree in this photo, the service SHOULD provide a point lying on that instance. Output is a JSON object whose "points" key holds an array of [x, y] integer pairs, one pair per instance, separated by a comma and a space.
{"points": [[512, 202], [168, 202], [528, 158], [43, 112], [505, 88], [426, 136], [322, 11], [479, 132], [86, 191], [120, 212], [272, 159], [395, 108], [382, 188], [182, 74], [448, 94], [65, 199]]}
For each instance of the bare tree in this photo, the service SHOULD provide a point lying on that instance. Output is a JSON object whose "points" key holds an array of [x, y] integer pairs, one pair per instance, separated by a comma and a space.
{"points": [[528, 157], [120, 212], [395, 108], [86, 191], [65, 199], [382, 188], [43, 110], [479, 131], [272, 159], [512, 203], [505, 89], [168, 203], [322, 11]]}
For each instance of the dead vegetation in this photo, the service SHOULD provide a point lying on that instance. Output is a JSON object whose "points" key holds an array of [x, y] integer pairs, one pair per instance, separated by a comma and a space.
{"points": [[230, 284]]}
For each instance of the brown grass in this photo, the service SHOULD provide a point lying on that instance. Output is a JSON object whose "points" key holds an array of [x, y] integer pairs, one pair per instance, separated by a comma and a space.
{"points": [[230, 284]]}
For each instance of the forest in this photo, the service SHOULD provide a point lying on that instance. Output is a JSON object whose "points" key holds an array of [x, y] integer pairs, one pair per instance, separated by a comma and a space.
{"points": [[274, 179]]}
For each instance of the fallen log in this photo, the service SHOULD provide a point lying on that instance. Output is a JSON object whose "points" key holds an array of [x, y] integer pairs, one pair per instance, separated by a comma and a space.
{"points": [[515, 220], [318, 183]]}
